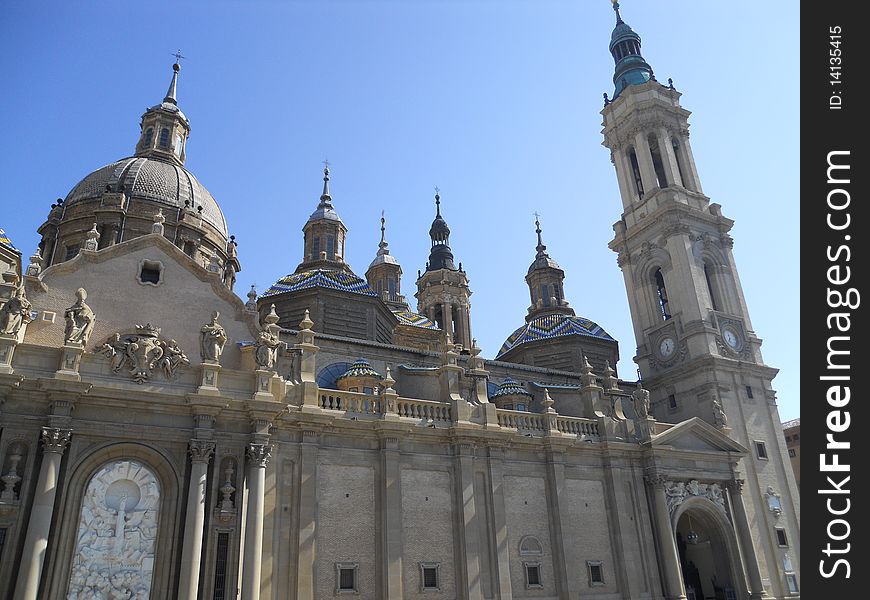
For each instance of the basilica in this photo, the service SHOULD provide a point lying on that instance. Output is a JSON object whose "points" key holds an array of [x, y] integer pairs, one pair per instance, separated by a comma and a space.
{"points": [[162, 437]]}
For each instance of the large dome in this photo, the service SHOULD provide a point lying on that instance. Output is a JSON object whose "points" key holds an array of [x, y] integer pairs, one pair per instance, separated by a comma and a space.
{"points": [[552, 326], [150, 179]]}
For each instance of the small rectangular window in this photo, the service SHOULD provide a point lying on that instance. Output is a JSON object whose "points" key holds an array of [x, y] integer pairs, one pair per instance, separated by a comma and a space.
{"points": [[792, 453], [672, 401], [315, 248], [596, 572], [791, 580], [781, 538], [150, 273], [164, 138], [346, 577], [521, 407], [749, 393], [330, 247], [430, 577], [533, 575], [761, 450], [220, 568]]}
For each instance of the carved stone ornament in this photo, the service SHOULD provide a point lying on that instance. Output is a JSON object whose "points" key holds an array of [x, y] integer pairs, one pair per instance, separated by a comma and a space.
{"points": [[774, 504], [212, 339], [55, 439], [15, 313], [200, 450], [143, 352], [720, 420], [80, 321], [259, 454], [268, 343], [117, 533], [678, 491], [226, 509]]}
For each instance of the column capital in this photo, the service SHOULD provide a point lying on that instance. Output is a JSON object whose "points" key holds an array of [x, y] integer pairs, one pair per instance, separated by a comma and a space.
{"points": [[655, 480], [259, 454], [736, 485], [200, 451], [55, 439]]}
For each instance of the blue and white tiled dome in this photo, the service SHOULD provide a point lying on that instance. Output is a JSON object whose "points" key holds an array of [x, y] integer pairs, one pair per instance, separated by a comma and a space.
{"points": [[551, 326]]}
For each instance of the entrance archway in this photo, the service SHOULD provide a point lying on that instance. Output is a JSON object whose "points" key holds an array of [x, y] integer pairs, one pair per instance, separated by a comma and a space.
{"points": [[709, 558]]}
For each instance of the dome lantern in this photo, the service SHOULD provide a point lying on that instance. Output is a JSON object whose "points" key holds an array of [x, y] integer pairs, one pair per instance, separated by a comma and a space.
{"points": [[164, 127]]}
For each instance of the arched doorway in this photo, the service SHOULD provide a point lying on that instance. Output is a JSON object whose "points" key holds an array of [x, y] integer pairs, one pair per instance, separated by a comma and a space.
{"points": [[709, 559]]}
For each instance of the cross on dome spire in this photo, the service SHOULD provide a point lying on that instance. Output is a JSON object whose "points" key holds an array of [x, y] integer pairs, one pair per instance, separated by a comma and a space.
{"points": [[616, 10], [325, 198], [541, 248], [171, 93], [382, 246]]}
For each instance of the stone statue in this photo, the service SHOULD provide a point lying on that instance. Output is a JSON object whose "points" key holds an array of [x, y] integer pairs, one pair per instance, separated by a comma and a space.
{"points": [[115, 349], [267, 347], [15, 313], [719, 418], [172, 358], [640, 397], [80, 320], [676, 493], [212, 338]]}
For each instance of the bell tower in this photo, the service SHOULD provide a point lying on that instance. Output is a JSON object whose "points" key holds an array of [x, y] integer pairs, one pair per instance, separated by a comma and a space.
{"points": [[697, 350], [442, 290]]}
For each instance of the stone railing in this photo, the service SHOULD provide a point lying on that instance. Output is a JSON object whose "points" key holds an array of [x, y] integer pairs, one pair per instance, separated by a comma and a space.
{"points": [[577, 426], [522, 420], [354, 402], [424, 409]]}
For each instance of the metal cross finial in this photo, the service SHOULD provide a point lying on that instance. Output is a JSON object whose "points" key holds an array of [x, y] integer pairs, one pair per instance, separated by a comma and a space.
{"points": [[178, 56]]}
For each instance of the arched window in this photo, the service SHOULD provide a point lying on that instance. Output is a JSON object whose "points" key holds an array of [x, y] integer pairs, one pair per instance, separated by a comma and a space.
{"points": [[531, 546], [662, 295], [148, 138], [658, 166], [327, 376], [330, 247], [164, 138], [391, 287], [545, 294], [635, 171], [117, 532], [714, 299], [315, 248]]}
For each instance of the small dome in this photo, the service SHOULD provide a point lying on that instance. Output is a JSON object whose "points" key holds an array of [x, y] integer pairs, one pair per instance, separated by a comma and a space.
{"points": [[439, 230], [170, 108], [325, 211], [154, 180], [622, 31], [552, 326], [544, 262], [510, 387], [384, 259], [360, 368]]}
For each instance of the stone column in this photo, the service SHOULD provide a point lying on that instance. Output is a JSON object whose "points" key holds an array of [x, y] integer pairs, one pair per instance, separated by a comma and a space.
{"points": [[447, 317], [744, 535], [669, 159], [200, 453], [499, 517], [259, 454], [55, 441], [689, 163], [644, 162], [469, 560], [391, 522], [670, 558]]}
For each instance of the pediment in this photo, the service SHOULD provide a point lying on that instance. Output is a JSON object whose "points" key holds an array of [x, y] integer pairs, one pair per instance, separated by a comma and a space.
{"points": [[698, 435]]}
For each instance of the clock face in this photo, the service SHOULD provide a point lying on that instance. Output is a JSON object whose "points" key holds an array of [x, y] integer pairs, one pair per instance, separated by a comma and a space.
{"points": [[730, 338], [667, 346]]}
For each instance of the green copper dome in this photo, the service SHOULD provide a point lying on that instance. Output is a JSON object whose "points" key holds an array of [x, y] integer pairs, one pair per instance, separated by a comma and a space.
{"points": [[631, 68]]}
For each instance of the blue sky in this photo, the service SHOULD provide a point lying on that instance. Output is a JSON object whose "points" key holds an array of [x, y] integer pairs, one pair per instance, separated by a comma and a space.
{"points": [[496, 102]]}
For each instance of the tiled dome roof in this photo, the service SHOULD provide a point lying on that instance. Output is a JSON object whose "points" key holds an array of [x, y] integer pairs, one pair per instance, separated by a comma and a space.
{"points": [[150, 179], [360, 368], [407, 317], [334, 280], [553, 326], [510, 387]]}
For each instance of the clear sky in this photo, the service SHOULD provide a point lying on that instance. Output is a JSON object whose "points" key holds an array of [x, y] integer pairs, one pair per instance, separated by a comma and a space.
{"points": [[496, 102]]}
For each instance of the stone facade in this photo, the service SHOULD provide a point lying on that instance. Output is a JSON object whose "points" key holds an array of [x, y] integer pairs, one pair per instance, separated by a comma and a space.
{"points": [[162, 438]]}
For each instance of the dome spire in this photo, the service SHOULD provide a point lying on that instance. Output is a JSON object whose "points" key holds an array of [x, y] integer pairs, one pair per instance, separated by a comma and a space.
{"points": [[541, 248], [325, 198], [440, 257], [171, 93], [383, 245], [631, 68]]}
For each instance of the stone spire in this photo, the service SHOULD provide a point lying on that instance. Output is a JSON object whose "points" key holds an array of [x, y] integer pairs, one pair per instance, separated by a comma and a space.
{"points": [[173, 85], [164, 127], [440, 257], [325, 234], [385, 274], [545, 279], [631, 68]]}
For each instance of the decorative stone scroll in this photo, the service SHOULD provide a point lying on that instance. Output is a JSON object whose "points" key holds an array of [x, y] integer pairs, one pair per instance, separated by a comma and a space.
{"points": [[678, 491], [140, 354], [117, 531]]}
